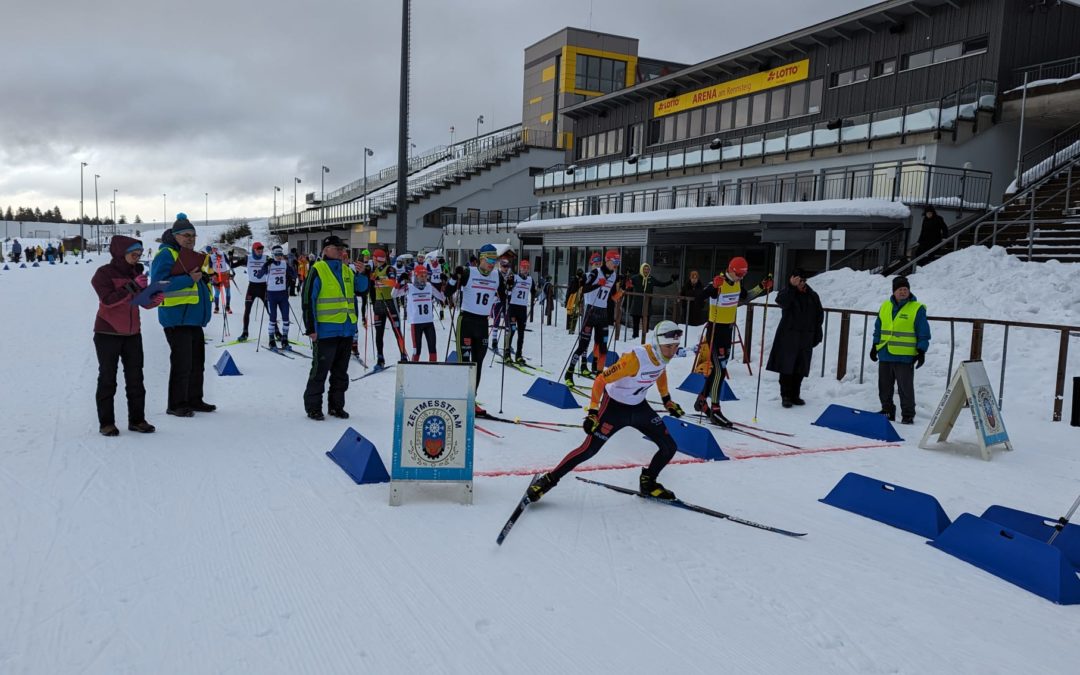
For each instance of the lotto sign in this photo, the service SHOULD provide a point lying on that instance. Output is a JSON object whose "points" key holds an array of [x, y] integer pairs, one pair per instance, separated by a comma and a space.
{"points": [[433, 425], [743, 86]]}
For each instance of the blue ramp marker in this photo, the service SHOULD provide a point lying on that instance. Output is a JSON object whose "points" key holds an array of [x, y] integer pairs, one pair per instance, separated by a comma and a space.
{"points": [[858, 422], [5, 268], [226, 366], [451, 357], [358, 457], [693, 440], [1013, 556], [693, 383], [1038, 527], [22, 266], [36, 264], [891, 504], [552, 393], [609, 359]]}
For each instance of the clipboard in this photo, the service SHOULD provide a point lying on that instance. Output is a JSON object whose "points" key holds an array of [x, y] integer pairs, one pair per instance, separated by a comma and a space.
{"points": [[187, 262], [144, 297]]}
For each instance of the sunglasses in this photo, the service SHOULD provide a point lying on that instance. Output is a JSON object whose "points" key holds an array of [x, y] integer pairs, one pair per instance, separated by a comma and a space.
{"points": [[672, 334]]}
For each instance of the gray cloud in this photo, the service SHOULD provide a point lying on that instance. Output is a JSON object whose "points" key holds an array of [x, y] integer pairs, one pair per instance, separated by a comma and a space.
{"points": [[232, 97]]}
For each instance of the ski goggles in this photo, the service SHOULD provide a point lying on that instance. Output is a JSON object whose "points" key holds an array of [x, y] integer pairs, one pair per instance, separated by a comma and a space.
{"points": [[616, 261], [675, 334], [488, 257]]}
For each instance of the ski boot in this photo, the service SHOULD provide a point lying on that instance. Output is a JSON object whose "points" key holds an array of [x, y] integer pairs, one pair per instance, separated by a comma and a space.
{"points": [[717, 417], [217, 310], [228, 310], [273, 343], [380, 363], [478, 411], [584, 369], [286, 346], [648, 487], [539, 487], [243, 337], [569, 377], [700, 405], [520, 360]]}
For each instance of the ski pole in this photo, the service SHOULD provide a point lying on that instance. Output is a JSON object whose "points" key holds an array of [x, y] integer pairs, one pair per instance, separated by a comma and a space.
{"points": [[1062, 522], [761, 353], [258, 335], [506, 355]]}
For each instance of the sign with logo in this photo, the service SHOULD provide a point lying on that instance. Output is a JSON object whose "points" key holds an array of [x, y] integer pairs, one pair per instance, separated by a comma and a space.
{"points": [[751, 84], [970, 387], [433, 426]]}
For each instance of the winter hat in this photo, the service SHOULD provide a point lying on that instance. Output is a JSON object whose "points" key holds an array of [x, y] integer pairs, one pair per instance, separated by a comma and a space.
{"points": [[900, 282], [182, 224], [641, 270], [137, 246], [277, 250]]}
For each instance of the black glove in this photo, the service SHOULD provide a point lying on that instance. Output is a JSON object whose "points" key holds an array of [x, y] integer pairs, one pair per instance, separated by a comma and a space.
{"points": [[674, 278], [920, 359], [138, 269], [458, 271], [232, 274], [873, 352], [673, 408], [592, 422]]}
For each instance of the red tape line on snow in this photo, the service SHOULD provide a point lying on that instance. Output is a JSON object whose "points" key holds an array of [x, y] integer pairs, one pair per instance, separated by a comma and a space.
{"points": [[638, 465]]}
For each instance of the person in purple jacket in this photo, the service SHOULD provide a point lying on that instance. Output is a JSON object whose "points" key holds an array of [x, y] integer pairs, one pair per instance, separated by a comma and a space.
{"points": [[117, 335]]}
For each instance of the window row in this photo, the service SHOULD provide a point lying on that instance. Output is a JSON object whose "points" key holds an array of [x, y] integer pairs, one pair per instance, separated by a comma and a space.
{"points": [[598, 145], [796, 100], [956, 50], [595, 73]]}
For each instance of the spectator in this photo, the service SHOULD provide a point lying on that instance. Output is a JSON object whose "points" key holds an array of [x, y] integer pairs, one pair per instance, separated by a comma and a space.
{"points": [[643, 285], [16, 251], [117, 335], [692, 288], [184, 313], [797, 334], [933, 232], [901, 338], [573, 300], [60, 250]]}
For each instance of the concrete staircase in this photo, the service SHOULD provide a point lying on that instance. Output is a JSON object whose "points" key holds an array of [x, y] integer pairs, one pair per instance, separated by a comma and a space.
{"points": [[1052, 217]]}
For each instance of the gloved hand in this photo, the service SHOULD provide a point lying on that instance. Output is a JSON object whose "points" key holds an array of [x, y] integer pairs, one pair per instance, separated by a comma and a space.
{"points": [[673, 408], [767, 283], [592, 422], [674, 278], [718, 281], [232, 274], [873, 352], [155, 300], [141, 281], [920, 359]]}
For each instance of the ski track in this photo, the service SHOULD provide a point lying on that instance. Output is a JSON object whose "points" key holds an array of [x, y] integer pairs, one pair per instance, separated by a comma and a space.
{"points": [[229, 543]]}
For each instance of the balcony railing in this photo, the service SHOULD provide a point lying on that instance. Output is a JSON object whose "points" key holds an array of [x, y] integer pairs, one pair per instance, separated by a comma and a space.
{"points": [[933, 116], [1047, 70]]}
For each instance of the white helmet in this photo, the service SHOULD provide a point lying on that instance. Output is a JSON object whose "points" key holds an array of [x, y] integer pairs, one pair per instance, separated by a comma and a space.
{"points": [[666, 333]]}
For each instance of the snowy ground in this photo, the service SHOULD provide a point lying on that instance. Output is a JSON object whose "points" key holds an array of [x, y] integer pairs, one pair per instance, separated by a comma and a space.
{"points": [[230, 543]]}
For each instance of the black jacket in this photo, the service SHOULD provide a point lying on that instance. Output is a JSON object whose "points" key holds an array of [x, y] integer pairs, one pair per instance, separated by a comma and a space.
{"points": [[934, 230], [645, 286], [697, 305], [798, 333]]}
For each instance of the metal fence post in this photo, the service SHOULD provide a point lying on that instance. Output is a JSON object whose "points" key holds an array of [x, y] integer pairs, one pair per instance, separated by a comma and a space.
{"points": [[824, 343], [1059, 388], [841, 355], [1004, 356], [1031, 225], [976, 341], [862, 359]]}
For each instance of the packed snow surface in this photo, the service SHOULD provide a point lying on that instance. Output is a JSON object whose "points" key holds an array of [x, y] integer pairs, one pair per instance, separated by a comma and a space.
{"points": [[230, 543]]}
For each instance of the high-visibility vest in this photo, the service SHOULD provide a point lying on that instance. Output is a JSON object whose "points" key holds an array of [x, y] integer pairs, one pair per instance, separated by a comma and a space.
{"points": [[184, 296], [723, 307], [898, 333], [385, 282], [333, 305]]}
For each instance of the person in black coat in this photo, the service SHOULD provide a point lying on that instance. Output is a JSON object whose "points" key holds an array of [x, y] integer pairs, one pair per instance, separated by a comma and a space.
{"points": [[933, 231], [643, 284], [796, 336], [692, 288]]}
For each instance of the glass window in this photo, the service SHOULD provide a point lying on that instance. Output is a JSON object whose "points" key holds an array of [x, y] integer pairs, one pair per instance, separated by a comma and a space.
{"points": [[797, 94], [862, 74], [695, 122], [814, 104], [742, 112], [593, 65], [606, 68], [601, 145], [710, 119], [948, 52], [669, 128], [579, 70], [656, 130], [842, 78], [725, 115], [758, 108], [976, 46], [918, 59], [776, 104], [619, 74], [681, 125], [590, 147], [884, 67]]}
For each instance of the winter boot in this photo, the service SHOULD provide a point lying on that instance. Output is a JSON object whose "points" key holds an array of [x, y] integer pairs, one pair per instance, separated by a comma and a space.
{"points": [[203, 407], [339, 413], [786, 402], [889, 413], [228, 310], [217, 310], [718, 418], [316, 415], [648, 487], [798, 401], [907, 419], [109, 430], [539, 487], [143, 427]]}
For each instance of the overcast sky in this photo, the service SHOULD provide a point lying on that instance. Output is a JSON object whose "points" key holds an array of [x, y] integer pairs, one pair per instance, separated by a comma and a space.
{"points": [[233, 97]]}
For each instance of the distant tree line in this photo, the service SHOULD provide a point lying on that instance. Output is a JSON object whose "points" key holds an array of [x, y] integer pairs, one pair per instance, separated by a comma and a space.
{"points": [[36, 215]]}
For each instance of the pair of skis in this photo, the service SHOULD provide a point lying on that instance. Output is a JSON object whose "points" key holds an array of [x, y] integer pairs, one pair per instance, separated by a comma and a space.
{"points": [[677, 503]]}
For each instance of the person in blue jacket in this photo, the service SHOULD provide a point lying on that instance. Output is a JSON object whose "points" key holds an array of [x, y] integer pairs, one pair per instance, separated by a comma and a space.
{"points": [[901, 338], [183, 314], [330, 316]]}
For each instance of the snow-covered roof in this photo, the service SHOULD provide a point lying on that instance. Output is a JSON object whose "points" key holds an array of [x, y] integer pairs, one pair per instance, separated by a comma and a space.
{"points": [[708, 215]]}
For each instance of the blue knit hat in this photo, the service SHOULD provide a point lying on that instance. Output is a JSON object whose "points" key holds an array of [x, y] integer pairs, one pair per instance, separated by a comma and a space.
{"points": [[182, 224], [137, 246]]}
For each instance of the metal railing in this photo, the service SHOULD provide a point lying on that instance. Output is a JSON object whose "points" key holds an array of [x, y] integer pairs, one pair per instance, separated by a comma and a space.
{"points": [[933, 116], [1050, 155], [1047, 70], [907, 182], [501, 221]]}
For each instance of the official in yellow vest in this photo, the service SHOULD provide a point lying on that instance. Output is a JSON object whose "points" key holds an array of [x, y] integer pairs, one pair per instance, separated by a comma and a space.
{"points": [[901, 338], [183, 314], [330, 316]]}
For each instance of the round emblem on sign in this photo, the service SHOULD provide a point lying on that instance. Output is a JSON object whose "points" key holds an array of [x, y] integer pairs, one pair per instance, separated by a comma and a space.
{"points": [[986, 402], [434, 441]]}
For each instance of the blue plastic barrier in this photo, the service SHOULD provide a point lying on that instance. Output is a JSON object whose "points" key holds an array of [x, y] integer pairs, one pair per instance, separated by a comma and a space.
{"points": [[891, 504], [451, 357], [226, 366], [358, 457], [1038, 527], [858, 422], [36, 264], [5, 268], [693, 440], [609, 359], [1013, 556], [695, 382], [552, 393]]}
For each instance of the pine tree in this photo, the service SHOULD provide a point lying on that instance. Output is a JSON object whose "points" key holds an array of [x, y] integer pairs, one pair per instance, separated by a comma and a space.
{"points": [[56, 213], [9, 215], [123, 220], [37, 214], [137, 218]]}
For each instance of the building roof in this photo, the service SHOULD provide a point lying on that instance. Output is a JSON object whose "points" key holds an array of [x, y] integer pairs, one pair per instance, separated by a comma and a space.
{"points": [[763, 55]]}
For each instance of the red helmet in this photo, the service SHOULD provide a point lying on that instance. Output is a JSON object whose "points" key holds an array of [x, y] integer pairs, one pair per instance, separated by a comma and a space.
{"points": [[524, 264], [419, 268], [378, 254], [595, 258], [738, 267], [257, 244], [613, 256]]}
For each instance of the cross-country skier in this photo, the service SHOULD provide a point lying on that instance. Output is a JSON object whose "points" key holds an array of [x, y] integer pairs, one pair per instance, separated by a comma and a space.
{"points": [[383, 281], [480, 286], [725, 295], [256, 263], [600, 283], [618, 400], [522, 291], [279, 275], [420, 295], [223, 275]]}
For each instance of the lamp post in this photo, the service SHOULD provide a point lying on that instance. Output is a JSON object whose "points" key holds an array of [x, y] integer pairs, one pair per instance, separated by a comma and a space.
{"points": [[296, 181], [479, 121], [97, 217], [164, 210], [322, 196], [115, 190], [277, 190], [451, 134], [368, 152], [82, 242], [206, 219]]}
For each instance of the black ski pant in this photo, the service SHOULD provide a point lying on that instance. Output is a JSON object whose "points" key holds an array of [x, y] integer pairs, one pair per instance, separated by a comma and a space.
{"points": [[719, 352], [790, 386], [386, 312], [519, 314], [111, 349], [614, 416], [472, 334], [420, 332], [329, 356], [903, 376], [594, 326], [187, 357], [253, 291]]}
